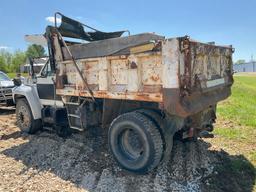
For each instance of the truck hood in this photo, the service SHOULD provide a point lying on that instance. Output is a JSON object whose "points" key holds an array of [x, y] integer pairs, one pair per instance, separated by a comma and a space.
{"points": [[6, 84]]}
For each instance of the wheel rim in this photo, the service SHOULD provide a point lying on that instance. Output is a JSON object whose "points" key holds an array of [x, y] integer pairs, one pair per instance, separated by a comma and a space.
{"points": [[23, 117], [131, 144]]}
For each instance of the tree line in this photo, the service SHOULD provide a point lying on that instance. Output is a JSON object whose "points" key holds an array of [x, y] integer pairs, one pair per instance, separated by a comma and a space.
{"points": [[11, 62]]}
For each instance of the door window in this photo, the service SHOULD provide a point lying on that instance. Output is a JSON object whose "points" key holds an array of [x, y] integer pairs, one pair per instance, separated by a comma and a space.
{"points": [[47, 71]]}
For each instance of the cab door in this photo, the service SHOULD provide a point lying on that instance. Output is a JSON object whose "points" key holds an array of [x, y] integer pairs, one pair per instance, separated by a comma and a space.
{"points": [[45, 85]]}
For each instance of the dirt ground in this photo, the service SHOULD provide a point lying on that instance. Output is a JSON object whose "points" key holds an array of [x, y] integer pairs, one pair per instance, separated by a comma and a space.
{"points": [[81, 162]]}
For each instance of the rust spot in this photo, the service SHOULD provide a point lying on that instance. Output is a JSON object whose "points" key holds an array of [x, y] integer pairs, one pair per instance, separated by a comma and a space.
{"points": [[155, 77], [152, 88], [186, 78], [108, 95], [142, 96], [87, 67], [133, 65], [61, 80]]}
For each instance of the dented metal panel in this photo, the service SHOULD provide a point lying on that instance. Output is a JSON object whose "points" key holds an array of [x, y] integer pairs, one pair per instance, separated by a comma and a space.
{"points": [[151, 69], [119, 71], [91, 71], [209, 61], [137, 77]]}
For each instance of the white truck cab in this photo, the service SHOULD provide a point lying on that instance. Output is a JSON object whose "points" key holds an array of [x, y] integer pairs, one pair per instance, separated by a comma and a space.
{"points": [[33, 96]]}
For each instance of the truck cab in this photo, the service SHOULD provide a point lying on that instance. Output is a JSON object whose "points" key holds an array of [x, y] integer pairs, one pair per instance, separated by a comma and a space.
{"points": [[37, 103]]}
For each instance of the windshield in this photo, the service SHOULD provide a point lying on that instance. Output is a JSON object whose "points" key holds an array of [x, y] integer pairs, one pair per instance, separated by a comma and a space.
{"points": [[4, 77]]}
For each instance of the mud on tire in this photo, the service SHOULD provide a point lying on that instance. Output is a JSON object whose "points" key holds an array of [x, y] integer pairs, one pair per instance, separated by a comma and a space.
{"points": [[135, 142], [25, 119]]}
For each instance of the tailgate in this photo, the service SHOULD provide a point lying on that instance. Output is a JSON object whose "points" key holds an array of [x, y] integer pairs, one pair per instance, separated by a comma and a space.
{"points": [[206, 66], [205, 77]]}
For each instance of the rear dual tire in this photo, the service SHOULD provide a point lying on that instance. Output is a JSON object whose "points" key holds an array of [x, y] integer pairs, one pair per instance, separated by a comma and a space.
{"points": [[136, 142]]}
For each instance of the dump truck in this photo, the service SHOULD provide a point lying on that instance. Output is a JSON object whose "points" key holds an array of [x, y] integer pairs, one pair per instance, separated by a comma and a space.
{"points": [[145, 89]]}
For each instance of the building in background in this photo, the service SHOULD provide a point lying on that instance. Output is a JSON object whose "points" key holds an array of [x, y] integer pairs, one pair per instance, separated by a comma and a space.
{"points": [[245, 67], [38, 64]]}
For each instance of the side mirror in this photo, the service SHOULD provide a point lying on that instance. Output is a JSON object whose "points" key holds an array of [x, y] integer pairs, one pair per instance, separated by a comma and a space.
{"points": [[17, 81], [42, 74]]}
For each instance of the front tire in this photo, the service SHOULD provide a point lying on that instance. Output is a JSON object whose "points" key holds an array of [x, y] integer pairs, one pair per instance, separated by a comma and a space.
{"points": [[25, 119], [135, 142]]}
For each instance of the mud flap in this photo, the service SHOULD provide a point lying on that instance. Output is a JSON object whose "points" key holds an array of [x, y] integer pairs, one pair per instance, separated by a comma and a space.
{"points": [[171, 125]]}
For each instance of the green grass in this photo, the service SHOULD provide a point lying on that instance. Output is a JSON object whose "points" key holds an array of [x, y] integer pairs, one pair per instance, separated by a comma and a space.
{"points": [[241, 106], [237, 117], [236, 133], [239, 110], [12, 75]]}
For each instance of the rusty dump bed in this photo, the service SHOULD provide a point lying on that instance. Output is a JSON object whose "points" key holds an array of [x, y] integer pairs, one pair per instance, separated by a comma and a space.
{"points": [[185, 76]]}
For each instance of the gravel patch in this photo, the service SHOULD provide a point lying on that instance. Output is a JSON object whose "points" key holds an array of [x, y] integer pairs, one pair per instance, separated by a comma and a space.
{"points": [[81, 162]]}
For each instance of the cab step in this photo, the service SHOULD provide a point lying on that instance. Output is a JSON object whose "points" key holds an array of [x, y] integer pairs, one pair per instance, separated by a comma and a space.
{"points": [[74, 117]]}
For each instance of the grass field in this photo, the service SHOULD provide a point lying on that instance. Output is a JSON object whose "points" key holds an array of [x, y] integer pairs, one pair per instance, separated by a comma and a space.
{"points": [[12, 75], [235, 130], [238, 115]]}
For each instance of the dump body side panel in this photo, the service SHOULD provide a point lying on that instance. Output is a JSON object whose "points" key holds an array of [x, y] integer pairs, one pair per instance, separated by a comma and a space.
{"points": [[132, 77]]}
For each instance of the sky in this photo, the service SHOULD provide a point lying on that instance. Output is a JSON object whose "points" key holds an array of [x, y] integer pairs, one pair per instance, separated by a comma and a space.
{"points": [[227, 22]]}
